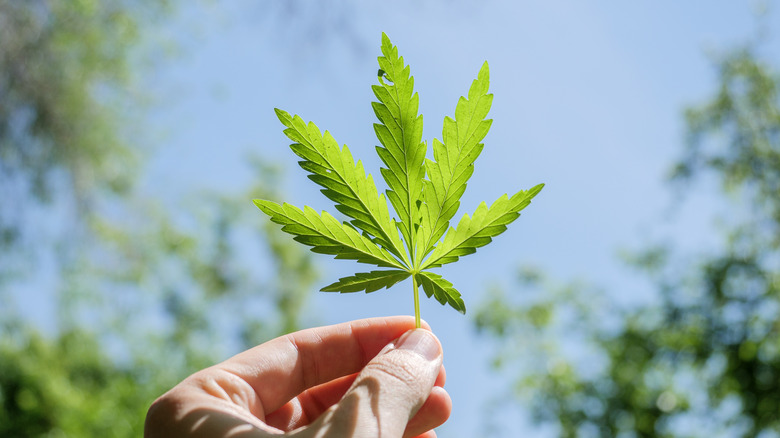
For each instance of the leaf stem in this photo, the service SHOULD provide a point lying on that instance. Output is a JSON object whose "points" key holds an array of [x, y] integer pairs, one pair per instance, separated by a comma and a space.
{"points": [[416, 302]]}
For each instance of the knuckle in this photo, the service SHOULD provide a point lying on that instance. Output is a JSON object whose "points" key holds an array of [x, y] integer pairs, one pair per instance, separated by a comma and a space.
{"points": [[399, 374]]}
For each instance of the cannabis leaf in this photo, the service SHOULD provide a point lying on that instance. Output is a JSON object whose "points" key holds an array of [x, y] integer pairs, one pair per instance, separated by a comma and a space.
{"points": [[425, 193]]}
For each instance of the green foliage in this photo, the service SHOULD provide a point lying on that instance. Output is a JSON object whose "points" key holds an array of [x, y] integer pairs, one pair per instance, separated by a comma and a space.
{"points": [[400, 133], [145, 292], [705, 357], [326, 235], [152, 299], [424, 206], [69, 387], [744, 111], [369, 282], [476, 231], [63, 73], [453, 161]]}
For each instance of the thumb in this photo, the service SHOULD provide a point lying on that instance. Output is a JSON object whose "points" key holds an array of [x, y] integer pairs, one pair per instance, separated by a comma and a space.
{"points": [[389, 391]]}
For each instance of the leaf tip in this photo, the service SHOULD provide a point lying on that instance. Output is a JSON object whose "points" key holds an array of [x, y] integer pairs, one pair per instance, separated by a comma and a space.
{"points": [[265, 206]]}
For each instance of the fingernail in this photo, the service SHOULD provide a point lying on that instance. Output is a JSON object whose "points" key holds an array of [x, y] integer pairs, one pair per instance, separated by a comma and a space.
{"points": [[420, 341]]}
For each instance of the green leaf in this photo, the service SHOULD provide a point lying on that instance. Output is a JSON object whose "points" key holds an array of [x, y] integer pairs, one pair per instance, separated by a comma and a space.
{"points": [[400, 133], [368, 282], [441, 289], [326, 235], [478, 230], [420, 237], [344, 181], [453, 162]]}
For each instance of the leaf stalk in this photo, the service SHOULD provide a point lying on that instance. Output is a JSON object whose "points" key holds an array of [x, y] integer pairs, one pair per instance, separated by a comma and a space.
{"points": [[416, 291]]}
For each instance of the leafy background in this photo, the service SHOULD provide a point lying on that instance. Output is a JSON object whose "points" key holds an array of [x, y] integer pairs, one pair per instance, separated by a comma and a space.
{"points": [[133, 137]]}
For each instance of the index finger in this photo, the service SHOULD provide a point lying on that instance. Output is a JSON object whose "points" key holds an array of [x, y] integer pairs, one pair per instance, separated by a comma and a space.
{"points": [[284, 367]]}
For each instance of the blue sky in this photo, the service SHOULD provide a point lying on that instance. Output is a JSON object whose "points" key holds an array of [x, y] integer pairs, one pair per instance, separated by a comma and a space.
{"points": [[588, 99]]}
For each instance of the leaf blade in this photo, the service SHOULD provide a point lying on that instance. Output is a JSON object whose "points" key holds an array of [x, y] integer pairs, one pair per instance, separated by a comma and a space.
{"points": [[479, 229], [367, 281], [400, 134], [435, 285], [326, 235], [453, 162], [344, 181]]}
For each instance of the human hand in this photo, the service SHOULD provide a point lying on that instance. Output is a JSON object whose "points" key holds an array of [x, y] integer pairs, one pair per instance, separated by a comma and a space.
{"points": [[369, 378]]}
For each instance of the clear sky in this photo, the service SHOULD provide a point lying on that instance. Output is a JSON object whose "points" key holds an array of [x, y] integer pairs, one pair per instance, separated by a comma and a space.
{"points": [[588, 99]]}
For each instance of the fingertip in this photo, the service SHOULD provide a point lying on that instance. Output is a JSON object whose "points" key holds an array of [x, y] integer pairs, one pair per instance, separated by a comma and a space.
{"points": [[433, 413], [441, 379], [441, 404]]}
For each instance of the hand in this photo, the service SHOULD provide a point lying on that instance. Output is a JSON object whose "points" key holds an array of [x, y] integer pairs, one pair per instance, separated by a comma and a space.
{"points": [[369, 378]]}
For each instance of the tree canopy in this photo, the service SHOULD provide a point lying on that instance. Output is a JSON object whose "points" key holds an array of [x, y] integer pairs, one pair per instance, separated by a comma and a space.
{"points": [[146, 292], [704, 358]]}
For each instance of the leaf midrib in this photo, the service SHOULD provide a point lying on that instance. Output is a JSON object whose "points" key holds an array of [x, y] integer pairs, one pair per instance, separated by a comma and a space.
{"points": [[395, 95], [487, 225], [428, 245], [309, 225], [386, 237]]}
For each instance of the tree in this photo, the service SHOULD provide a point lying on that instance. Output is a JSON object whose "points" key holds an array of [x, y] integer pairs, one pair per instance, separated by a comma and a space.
{"points": [[705, 358], [64, 74], [148, 292]]}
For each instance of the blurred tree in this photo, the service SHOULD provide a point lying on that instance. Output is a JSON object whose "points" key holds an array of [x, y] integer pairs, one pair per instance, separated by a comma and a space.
{"points": [[143, 307], [149, 292], [704, 358], [67, 387], [64, 83]]}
